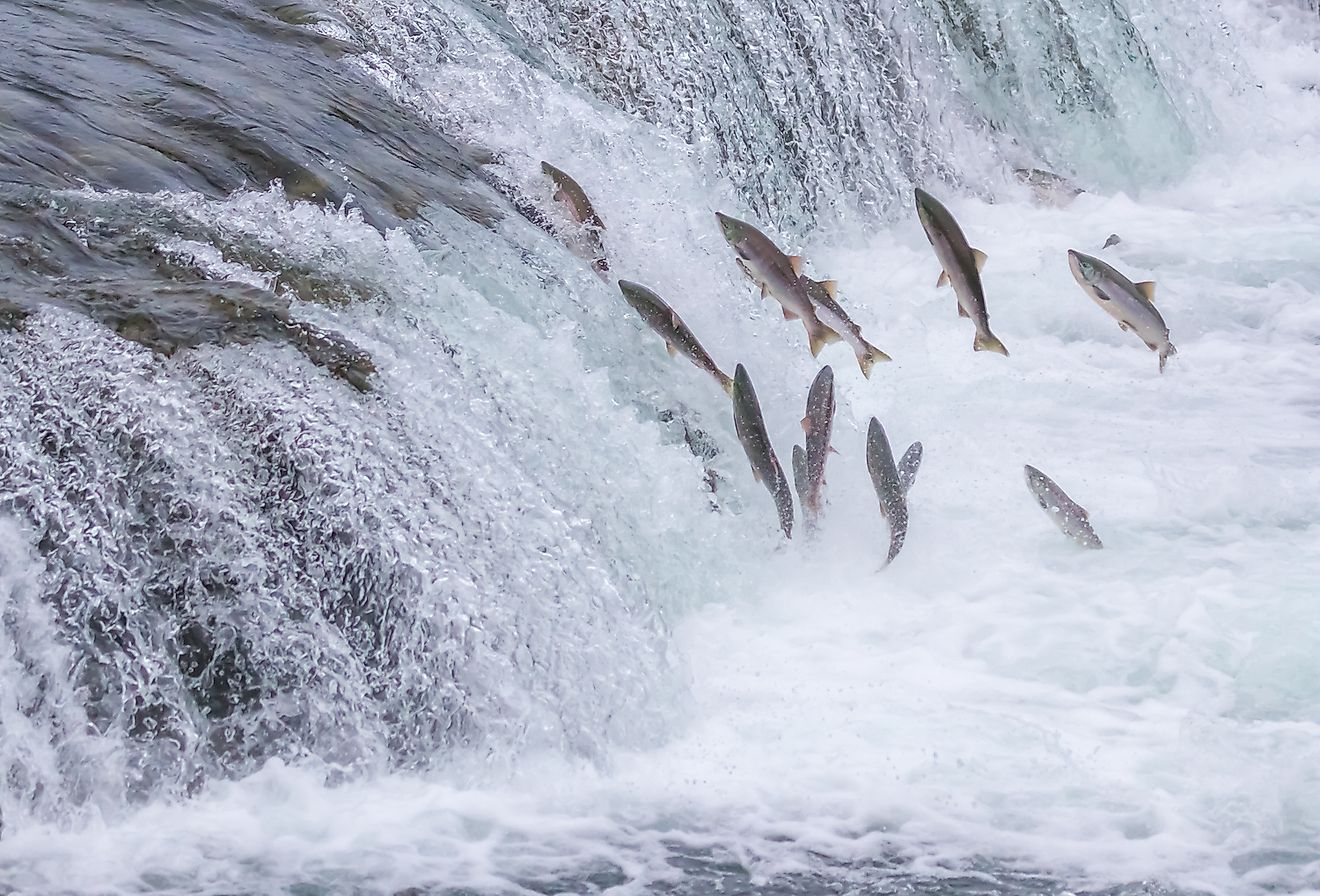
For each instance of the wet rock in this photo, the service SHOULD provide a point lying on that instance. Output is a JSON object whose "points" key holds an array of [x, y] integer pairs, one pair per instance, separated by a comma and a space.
{"points": [[12, 317], [170, 317]]}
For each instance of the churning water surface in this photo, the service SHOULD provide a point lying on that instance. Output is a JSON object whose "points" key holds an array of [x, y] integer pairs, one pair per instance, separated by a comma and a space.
{"points": [[352, 535]]}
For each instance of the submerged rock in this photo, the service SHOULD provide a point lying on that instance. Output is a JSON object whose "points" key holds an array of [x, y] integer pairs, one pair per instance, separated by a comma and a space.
{"points": [[105, 260], [11, 315], [173, 316]]}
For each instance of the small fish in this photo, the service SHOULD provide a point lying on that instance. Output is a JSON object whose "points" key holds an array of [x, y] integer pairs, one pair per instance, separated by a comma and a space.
{"points": [[1131, 304], [888, 486], [831, 313], [1114, 240], [809, 462], [750, 426], [777, 274], [579, 207], [670, 327], [1047, 187], [962, 268], [1071, 518]]}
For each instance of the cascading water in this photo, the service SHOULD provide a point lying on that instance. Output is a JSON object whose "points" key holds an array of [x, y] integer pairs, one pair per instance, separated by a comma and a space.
{"points": [[355, 537]]}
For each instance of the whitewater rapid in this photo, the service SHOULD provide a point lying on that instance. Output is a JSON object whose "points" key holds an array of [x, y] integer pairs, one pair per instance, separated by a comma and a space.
{"points": [[998, 711], [996, 696]]}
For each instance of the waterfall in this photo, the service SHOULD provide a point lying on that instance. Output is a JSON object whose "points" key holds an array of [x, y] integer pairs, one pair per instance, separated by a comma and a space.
{"points": [[328, 469]]}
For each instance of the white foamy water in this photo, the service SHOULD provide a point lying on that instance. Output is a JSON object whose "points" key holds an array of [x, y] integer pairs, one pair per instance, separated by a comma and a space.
{"points": [[998, 710]]}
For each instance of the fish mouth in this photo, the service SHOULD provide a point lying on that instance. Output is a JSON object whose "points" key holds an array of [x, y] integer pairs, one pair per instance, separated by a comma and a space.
{"points": [[1075, 265], [924, 213], [727, 226]]}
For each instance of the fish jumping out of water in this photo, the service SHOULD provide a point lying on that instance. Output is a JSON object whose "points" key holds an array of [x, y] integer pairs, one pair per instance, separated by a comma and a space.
{"points": [[750, 426], [777, 274], [1131, 304], [831, 313], [679, 339], [888, 486], [962, 268], [589, 243], [809, 462], [1071, 518]]}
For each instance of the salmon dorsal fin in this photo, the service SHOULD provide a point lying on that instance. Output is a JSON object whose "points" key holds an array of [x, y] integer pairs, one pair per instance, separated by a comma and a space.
{"points": [[1147, 289], [795, 262], [831, 287], [980, 258]]}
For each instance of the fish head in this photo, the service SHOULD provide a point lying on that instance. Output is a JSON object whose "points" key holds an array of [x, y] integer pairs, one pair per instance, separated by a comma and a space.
{"points": [[734, 231], [928, 210], [1035, 479], [1084, 268], [749, 244], [636, 294], [744, 396]]}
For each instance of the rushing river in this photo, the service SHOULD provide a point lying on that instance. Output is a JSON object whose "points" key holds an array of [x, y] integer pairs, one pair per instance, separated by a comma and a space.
{"points": [[357, 538]]}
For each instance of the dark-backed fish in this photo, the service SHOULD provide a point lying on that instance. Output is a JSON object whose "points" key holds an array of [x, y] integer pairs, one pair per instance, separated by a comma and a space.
{"points": [[809, 462], [778, 275], [962, 268], [1071, 518], [679, 339], [888, 486], [590, 243], [750, 426], [832, 315], [1131, 304]]}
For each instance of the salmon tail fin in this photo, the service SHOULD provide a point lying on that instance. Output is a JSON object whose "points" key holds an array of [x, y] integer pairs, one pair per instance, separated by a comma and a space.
{"points": [[988, 343], [896, 540], [1164, 355], [867, 359]]}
